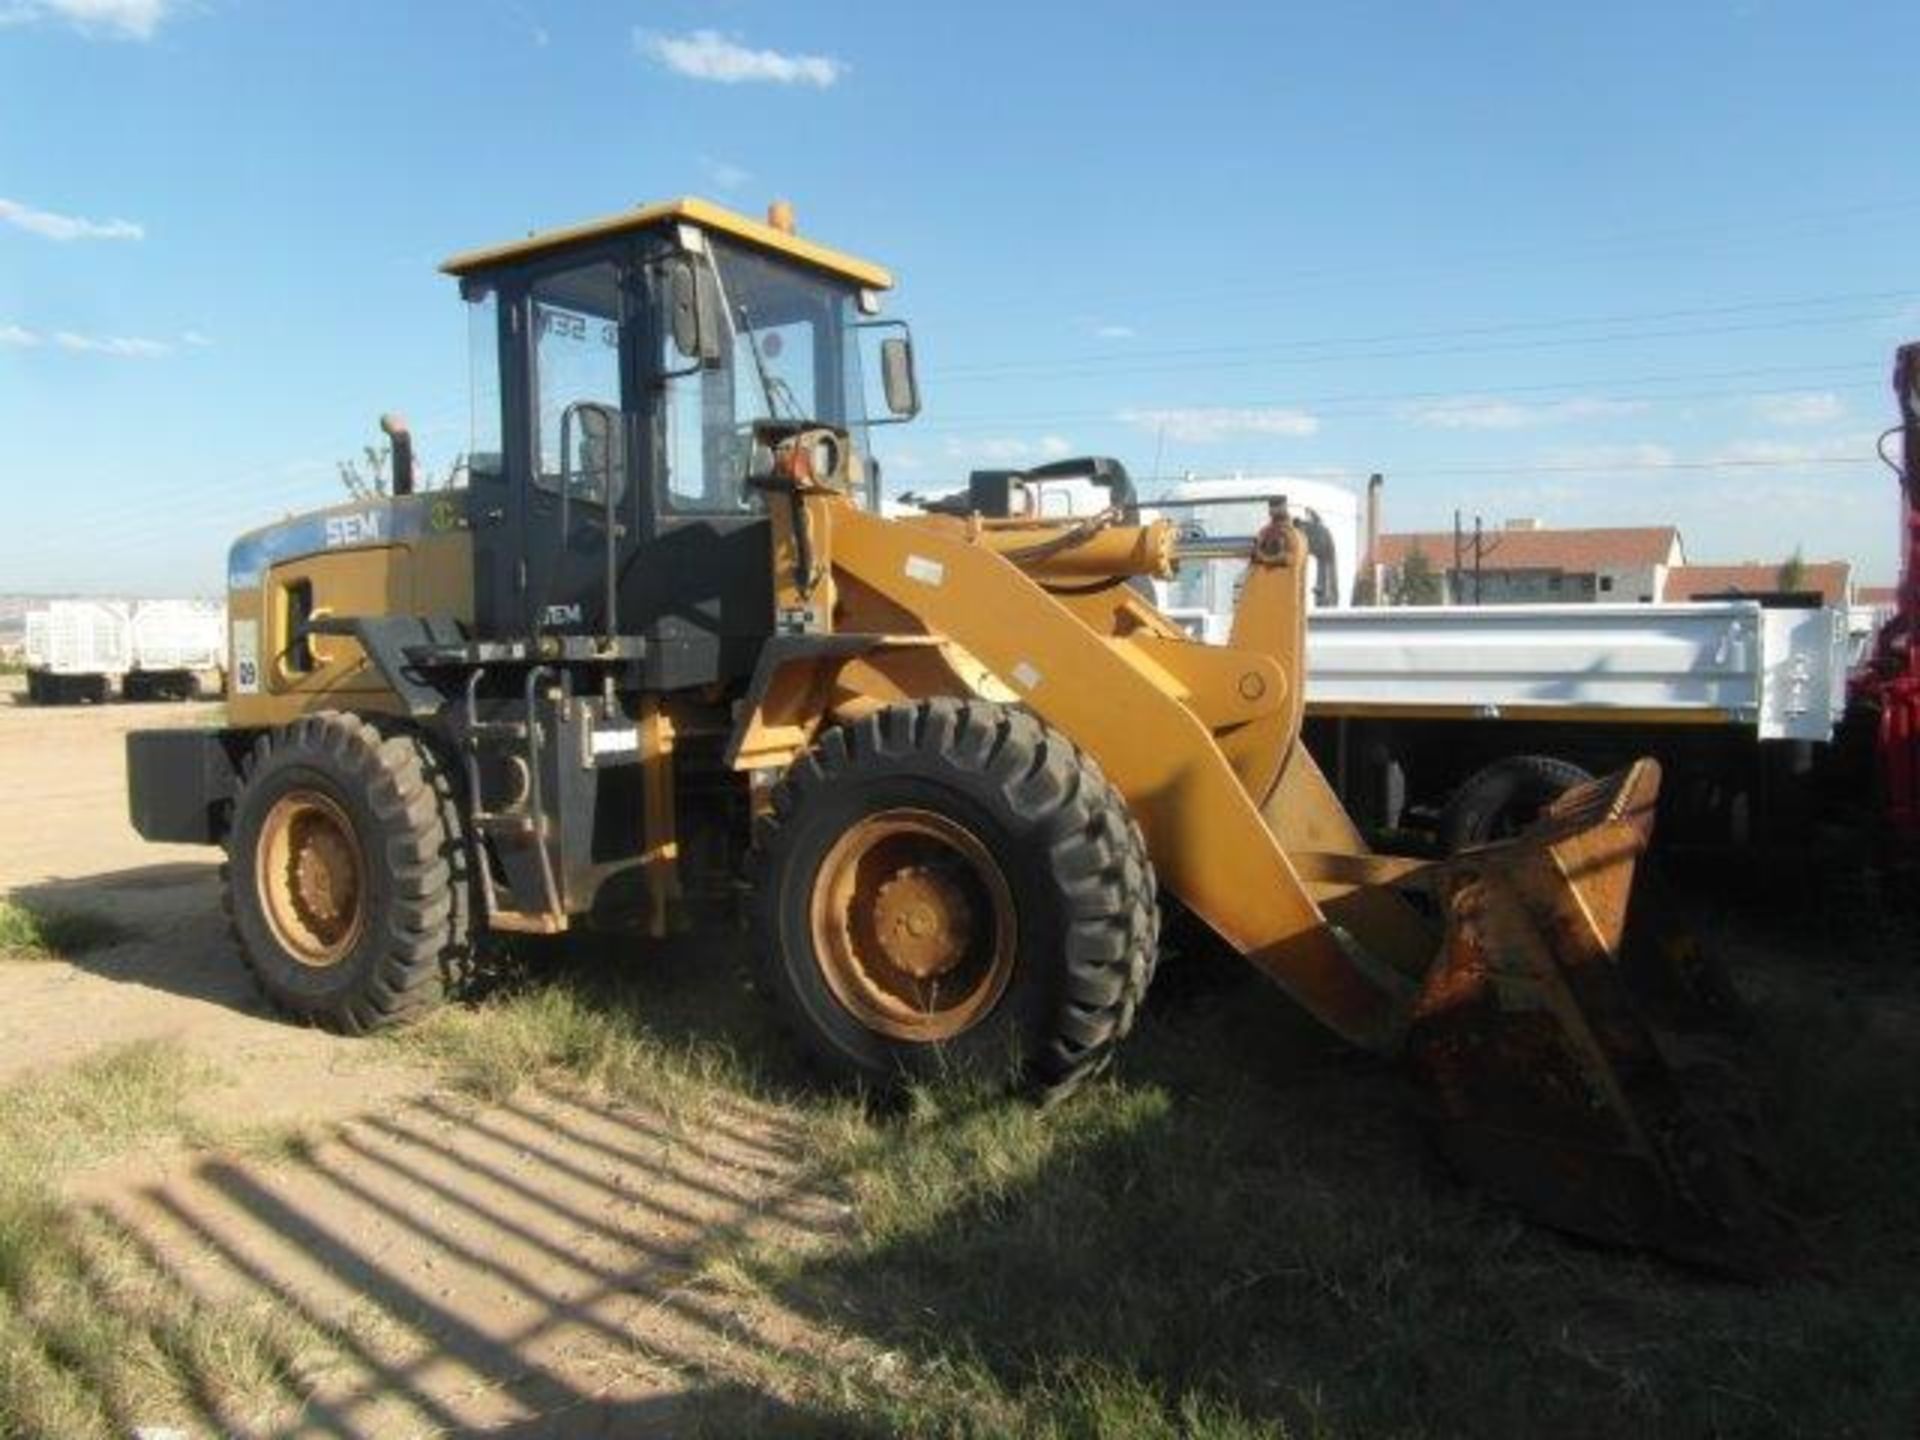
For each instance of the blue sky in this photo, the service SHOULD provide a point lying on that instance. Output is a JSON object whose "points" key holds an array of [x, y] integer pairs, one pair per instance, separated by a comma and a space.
{"points": [[1625, 264]]}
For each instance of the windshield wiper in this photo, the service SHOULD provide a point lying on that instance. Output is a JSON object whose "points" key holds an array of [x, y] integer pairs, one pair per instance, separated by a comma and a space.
{"points": [[771, 385]]}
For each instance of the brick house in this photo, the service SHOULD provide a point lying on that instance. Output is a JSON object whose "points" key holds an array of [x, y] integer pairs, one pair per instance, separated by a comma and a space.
{"points": [[1523, 563], [1832, 580]]}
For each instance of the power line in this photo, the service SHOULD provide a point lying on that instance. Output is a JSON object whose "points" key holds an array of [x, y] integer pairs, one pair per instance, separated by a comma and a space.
{"points": [[1625, 467], [1360, 348], [1507, 327], [1610, 245], [1636, 466], [1362, 403], [129, 524]]}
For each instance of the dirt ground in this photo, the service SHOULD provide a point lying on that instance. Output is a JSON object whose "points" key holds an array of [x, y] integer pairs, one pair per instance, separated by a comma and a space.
{"points": [[66, 843], [519, 1268]]}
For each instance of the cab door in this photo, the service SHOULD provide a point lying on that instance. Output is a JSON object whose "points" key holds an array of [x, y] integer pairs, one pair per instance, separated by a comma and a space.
{"points": [[576, 457]]}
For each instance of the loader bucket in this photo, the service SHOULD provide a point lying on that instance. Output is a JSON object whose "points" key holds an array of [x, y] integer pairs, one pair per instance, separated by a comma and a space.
{"points": [[1572, 1061]]}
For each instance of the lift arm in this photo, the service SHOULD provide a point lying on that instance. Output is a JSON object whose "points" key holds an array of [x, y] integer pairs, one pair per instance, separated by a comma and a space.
{"points": [[1122, 702]]}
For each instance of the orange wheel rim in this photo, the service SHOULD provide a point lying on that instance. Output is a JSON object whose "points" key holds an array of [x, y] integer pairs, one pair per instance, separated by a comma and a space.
{"points": [[913, 925], [312, 878]]}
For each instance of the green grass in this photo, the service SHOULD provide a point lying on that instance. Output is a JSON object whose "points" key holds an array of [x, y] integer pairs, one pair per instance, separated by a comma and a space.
{"points": [[1236, 1234], [61, 1121], [1239, 1234], [95, 1336], [30, 932]]}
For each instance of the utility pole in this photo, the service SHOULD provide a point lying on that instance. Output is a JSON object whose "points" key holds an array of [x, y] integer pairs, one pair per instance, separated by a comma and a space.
{"points": [[1453, 575], [1457, 576], [1479, 552]]}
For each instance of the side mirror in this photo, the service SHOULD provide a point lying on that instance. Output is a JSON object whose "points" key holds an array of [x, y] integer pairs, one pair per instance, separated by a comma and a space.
{"points": [[689, 312], [897, 378]]}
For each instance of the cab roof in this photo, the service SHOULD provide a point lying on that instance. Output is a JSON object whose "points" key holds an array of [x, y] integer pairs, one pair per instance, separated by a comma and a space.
{"points": [[688, 210]]}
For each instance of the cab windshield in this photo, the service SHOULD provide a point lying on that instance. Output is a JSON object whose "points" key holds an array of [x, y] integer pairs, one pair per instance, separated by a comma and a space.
{"points": [[788, 354]]}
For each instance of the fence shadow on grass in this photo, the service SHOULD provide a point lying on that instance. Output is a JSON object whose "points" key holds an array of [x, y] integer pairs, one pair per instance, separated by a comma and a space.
{"points": [[1238, 1230], [531, 1268]]}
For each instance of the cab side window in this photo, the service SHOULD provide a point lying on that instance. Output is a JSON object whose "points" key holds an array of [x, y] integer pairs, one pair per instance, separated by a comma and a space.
{"points": [[705, 438]]}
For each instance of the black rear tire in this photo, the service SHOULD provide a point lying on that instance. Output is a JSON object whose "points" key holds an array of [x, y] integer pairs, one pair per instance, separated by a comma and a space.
{"points": [[394, 801], [1505, 797], [1073, 862]]}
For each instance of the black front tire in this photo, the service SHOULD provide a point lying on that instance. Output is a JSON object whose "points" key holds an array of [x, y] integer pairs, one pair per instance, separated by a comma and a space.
{"points": [[1504, 797], [1075, 864], [414, 942]]}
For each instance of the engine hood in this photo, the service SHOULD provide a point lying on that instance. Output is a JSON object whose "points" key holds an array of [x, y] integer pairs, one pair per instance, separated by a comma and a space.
{"points": [[356, 525]]}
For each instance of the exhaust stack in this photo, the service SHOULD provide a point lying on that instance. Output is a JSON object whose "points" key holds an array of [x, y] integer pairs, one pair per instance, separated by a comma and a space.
{"points": [[394, 426], [1372, 561]]}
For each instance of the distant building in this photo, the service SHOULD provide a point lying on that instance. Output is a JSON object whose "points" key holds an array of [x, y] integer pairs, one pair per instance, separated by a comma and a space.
{"points": [[1831, 580], [1524, 563]]}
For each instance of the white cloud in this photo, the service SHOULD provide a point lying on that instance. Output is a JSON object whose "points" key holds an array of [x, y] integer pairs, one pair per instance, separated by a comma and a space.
{"points": [[127, 346], [1206, 425], [1763, 452], [115, 19], [1783, 452], [1009, 449], [1464, 414], [1488, 412], [1811, 407], [895, 463], [724, 174], [709, 55], [1114, 332], [16, 336], [51, 226], [195, 339], [1609, 457]]}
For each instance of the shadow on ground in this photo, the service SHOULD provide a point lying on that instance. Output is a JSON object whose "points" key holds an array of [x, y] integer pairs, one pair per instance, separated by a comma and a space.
{"points": [[170, 933], [531, 1268], [1238, 1234]]}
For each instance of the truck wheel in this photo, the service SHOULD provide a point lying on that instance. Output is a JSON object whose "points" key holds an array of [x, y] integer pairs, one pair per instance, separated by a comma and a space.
{"points": [[951, 884], [347, 874], [1504, 798]]}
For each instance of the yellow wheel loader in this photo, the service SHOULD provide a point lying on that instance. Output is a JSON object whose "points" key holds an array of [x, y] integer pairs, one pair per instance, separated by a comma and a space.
{"points": [[663, 640]]}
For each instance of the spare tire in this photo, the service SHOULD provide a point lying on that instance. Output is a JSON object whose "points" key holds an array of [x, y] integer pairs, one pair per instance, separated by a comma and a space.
{"points": [[1504, 798]]}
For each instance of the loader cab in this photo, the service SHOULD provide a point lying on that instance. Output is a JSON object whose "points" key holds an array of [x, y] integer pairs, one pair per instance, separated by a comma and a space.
{"points": [[618, 371]]}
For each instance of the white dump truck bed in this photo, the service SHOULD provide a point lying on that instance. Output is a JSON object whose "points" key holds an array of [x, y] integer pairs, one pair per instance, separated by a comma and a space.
{"points": [[80, 637], [179, 635], [1780, 672]]}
